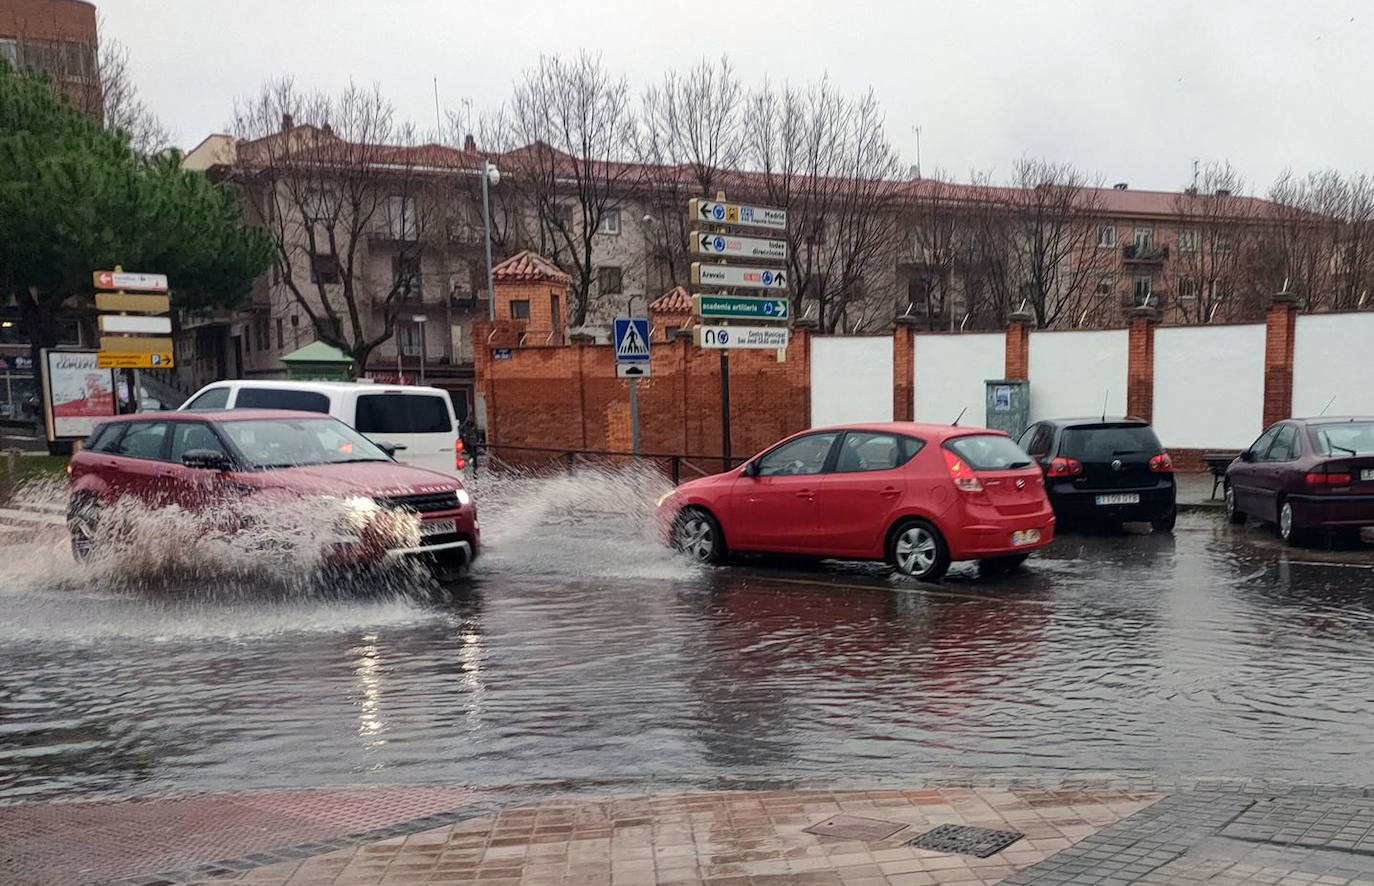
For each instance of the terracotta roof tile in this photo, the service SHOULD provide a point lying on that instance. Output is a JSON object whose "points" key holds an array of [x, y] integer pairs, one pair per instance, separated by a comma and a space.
{"points": [[529, 265], [675, 301]]}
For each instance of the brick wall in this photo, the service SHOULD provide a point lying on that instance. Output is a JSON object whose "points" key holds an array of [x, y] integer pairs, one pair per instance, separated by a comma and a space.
{"points": [[1140, 369], [903, 371], [1018, 348], [1280, 328]]}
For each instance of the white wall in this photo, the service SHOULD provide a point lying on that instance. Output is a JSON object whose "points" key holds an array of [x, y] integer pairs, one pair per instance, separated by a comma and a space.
{"points": [[950, 371], [851, 379], [1209, 386], [1072, 374], [1332, 358]]}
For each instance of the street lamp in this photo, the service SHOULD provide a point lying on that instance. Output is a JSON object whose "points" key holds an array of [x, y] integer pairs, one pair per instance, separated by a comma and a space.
{"points": [[419, 320], [491, 176]]}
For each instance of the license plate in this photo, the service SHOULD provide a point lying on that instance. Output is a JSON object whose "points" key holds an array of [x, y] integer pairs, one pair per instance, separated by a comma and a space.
{"points": [[438, 527], [1122, 498], [1367, 474], [1025, 537]]}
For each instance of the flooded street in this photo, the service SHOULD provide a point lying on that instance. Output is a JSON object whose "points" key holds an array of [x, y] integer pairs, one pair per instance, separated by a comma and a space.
{"points": [[581, 651]]}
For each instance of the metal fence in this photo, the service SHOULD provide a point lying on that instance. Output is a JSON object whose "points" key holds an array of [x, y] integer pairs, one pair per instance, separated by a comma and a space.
{"points": [[676, 466]]}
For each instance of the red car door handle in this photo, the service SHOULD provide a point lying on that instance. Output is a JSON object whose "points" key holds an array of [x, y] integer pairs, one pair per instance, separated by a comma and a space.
{"points": [[889, 492], [806, 494]]}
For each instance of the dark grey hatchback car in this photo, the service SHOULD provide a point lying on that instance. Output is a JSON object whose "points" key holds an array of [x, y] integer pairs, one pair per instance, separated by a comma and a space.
{"points": [[1106, 471]]}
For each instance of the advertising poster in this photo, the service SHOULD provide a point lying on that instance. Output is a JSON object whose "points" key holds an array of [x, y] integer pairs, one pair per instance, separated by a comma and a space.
{"points": [[79, 394]]}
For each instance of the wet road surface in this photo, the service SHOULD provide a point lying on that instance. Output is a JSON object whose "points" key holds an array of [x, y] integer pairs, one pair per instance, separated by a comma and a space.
{"points": [[582, 651]]}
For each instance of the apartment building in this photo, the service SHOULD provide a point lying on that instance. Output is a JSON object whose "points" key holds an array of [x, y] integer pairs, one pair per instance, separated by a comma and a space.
{"points": [[59, 38]]}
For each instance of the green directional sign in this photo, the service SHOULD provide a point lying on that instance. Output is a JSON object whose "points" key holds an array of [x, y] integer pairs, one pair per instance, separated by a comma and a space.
{"points": [[740, 306]]}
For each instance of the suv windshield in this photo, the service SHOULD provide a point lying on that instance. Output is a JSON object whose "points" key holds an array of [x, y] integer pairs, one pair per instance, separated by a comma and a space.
{"points": [[989, 452], [1105, 442], [1348, 438], [289, 443]]}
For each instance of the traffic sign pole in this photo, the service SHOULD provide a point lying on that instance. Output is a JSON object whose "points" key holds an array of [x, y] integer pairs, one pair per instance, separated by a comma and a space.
{"points": [[634, 416]]}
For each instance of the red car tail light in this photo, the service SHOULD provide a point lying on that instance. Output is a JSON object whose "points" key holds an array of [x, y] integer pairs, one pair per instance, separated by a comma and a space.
{"points": [[459, 461], [1328, 477], [961, 473], [1065, 467], [1162, 464]]}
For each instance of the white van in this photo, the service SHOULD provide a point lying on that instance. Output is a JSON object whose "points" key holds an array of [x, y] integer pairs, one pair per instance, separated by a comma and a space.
{"points": [[418, 421]]}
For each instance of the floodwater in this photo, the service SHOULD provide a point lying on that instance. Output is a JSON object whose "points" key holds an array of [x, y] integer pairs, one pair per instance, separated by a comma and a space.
{"points": [[582, 651]]}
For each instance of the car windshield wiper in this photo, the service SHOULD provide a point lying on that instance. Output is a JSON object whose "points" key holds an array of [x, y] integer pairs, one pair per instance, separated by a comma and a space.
{"points": [[1343, 448], [1018, 464], [348, 461]]}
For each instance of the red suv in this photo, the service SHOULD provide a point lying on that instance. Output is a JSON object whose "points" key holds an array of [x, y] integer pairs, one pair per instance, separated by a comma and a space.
{"points": [[918, 496], [200, 459]]}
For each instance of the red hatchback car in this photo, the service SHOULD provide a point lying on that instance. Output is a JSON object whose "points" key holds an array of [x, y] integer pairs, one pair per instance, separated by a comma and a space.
{"points": [[1306, 474], [918, 496], [200, 459]]}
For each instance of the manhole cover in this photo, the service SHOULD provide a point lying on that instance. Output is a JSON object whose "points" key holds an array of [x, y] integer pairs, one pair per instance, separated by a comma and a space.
{"points": [[852, 827], [978, 842]]}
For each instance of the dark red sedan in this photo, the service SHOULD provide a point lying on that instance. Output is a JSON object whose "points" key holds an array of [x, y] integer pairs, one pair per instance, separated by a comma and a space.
{"points": [[1305, 475], [916, 495], [196, 460]]}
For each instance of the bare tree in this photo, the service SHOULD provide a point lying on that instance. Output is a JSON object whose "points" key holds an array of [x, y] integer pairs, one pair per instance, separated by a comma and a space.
{"points": [[1317, 238], [571, 129], [689, 137], [124, 107], [938, 216], [1215, 274], [328, 175]]}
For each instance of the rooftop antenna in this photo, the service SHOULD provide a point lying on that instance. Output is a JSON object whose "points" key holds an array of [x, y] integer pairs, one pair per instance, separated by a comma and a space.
{"points": [[1327, 406], [1105, 394], [1195, 174], [917, 131], [961, 415], [438, 121]]}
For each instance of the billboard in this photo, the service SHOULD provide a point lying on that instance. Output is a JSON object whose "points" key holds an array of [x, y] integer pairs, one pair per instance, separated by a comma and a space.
{"points": [[77, 393]]}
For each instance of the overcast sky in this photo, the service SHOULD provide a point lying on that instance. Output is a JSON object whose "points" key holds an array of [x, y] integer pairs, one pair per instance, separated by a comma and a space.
{"points": [[1130, 91]]}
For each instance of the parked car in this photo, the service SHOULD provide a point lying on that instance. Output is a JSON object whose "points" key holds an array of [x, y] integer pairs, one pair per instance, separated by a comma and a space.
{"points": [[916, 495], [1106, 471], [1306, 474], [418, 422], [198, 459]]}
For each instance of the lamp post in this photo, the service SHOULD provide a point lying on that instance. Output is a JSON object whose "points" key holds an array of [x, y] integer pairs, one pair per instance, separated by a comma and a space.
{"points": [[491, 176], [419, 320]]}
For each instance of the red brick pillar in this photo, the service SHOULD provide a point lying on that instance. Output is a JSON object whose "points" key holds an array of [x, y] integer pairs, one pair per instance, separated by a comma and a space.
{"points": [[580, 341], [903, 369], [1140, 369], [1018, 345], [1280, 325]]}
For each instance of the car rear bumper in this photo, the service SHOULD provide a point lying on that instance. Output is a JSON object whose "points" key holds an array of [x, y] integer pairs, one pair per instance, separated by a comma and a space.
{"points": [[1081, 504], [987, 537], [1332, 511]]}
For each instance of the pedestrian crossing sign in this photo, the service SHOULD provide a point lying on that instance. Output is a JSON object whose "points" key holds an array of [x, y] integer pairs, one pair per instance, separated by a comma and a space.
{"points": [[631, 340]]}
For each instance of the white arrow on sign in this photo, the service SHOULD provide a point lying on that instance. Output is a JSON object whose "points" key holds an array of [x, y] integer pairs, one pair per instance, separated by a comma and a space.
{"points": [[713, 213], [758, 338], [127, 280], [733, 275], [704, 243]]}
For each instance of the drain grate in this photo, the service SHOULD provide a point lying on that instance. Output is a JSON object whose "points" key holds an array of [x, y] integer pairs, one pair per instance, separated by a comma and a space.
{"points": [[964, 840], [853, 827]]}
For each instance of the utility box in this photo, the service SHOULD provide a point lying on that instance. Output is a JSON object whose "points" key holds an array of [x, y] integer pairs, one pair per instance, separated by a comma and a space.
{"points": [[1008, 406]]}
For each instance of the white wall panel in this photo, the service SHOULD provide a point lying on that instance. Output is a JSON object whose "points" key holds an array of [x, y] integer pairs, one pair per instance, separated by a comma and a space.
{"points": [[1333, 356], [851, 379], [1209, 386], [950, 371]]}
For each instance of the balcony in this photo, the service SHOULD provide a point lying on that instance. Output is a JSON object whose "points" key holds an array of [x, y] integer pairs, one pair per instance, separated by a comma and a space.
{"points": [[1144, 254]]}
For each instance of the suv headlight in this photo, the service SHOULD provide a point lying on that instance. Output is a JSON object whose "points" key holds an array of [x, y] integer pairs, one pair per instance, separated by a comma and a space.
{"points": [[463, 498], [358, 512]]}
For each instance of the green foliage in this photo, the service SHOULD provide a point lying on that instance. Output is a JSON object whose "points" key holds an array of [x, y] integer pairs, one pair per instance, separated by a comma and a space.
{"points": [[75, 197]]}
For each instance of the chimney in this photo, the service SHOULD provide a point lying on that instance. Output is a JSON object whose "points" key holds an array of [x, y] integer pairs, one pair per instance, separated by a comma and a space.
{"points": [[287, 123], [327, 129], [913, 172], [1119, 186], [469, 143], [1223, 192]]}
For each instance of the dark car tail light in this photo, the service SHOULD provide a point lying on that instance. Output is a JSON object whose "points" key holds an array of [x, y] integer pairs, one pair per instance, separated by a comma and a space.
{"points": [[459, 460], [1330, 476], [1065, 467], [1162, 464], [962, 473]]}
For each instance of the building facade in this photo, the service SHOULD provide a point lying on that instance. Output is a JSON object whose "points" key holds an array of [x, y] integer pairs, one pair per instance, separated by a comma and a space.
{"points": [[59, 38]]}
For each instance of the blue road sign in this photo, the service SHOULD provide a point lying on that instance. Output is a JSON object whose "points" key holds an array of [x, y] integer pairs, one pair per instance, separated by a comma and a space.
{"points": [[631, 340]]}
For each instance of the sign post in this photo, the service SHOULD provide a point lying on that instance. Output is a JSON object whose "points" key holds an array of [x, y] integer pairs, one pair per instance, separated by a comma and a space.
{"points": [[632, 361]]}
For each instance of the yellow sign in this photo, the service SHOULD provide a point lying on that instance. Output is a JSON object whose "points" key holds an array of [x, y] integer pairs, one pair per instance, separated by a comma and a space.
{"points": [[135, 304], [136, 344], [731, 212], [108, 360]]}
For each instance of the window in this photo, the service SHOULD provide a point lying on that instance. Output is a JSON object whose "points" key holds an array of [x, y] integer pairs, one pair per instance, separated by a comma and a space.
{"points": [[106, 438], [1285, 445], [864, 451], [520, 309], [1187, 289], [9, 51], [988, 452], [1104, 442], [1144, 239], [608, 280], [805, 455], [1143, 287], [1261, 446], [1187, 241], [405, 275], [291, 442], [561, 217], [281, 398], [1036, 440], [401, 221], [1106, 237], [324, 268], [408, 339], [1105, 287], [555, 317], [670, 332], [403, 414], [1221, 243], [609, 223], [1346, 438], [315, 206], [189, 435], [144, 439], [215, 398]]}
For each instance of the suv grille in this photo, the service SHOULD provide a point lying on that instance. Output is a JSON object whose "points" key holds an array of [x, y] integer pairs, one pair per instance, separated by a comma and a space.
{"points": [[422, 504]]}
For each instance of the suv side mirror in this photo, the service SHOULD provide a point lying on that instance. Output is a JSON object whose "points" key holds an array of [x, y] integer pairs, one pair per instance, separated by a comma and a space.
{"points": [[206, 459], [1248, 455]]}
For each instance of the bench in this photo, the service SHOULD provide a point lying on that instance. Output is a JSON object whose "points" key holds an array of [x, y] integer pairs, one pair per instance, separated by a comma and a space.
{"points": [[1217, 463]]}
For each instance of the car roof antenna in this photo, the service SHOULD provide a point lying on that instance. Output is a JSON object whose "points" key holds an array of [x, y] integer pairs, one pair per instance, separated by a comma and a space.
{"points": [[1105, 394], [961, 415], [1327, 406]]}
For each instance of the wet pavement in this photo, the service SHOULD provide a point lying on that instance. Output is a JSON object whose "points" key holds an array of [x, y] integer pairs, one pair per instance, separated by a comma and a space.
{"points": [[581, 653]]}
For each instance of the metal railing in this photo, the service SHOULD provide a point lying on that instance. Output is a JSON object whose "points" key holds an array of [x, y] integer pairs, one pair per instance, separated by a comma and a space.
{"points": [[674, 465]]}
